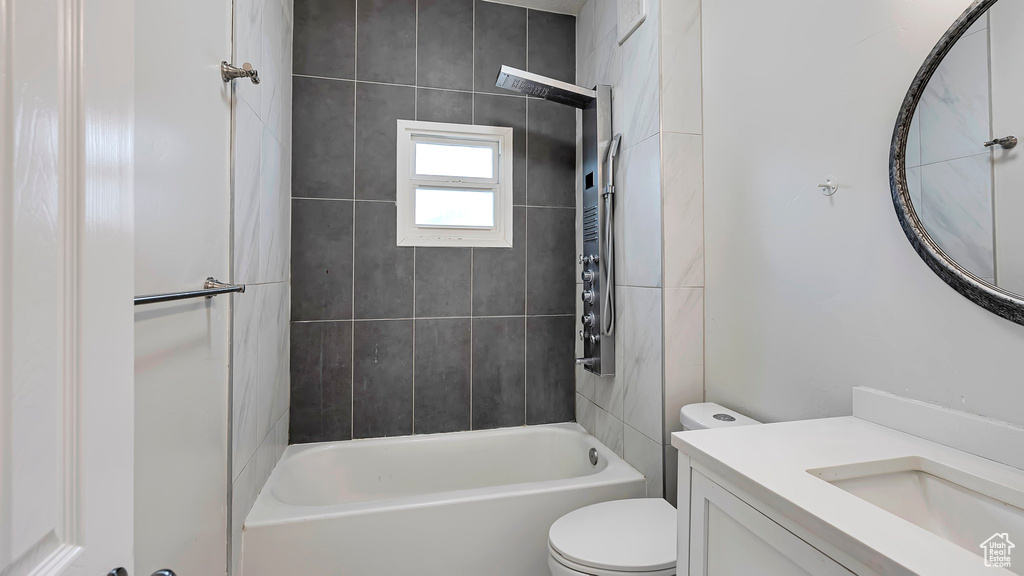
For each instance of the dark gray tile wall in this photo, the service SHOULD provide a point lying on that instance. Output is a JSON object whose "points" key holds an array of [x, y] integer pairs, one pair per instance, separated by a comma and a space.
{"points": [[390, 340], [321, 359], [322, 159], [443, 374], [500, 38]]}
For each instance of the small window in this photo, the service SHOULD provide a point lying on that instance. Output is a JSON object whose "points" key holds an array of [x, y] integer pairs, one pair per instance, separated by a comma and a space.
{"points": [[454, 185]]}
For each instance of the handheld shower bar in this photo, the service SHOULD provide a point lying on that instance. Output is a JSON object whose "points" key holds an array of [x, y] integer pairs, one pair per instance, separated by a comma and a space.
{"points": [[598, 260], [608, 302]]}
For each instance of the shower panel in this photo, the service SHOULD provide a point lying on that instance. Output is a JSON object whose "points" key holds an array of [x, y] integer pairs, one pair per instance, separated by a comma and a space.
{"points": [[599, 149]]}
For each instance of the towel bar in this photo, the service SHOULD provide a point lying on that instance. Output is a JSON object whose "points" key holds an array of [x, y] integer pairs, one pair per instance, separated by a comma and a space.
{"points": [[211, 288]]}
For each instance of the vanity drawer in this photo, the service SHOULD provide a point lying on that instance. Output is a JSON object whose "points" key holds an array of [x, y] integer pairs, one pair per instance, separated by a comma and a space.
{"points": [[728, 537]]}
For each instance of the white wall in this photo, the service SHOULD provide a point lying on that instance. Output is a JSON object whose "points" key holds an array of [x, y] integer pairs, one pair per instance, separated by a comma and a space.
{"points": [[261, 253], [808, 296]]}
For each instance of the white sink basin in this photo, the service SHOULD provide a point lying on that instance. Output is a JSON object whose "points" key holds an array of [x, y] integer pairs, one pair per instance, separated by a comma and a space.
{"points": [[962, 508]]}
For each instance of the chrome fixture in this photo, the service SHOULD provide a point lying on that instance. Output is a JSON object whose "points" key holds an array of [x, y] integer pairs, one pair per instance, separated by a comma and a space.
{"points": [[830, 186], [608, 303], [1007, 143], [599, 150], [229, 72], [211, 288], [593, 456], [543, 87], [588, 297]]}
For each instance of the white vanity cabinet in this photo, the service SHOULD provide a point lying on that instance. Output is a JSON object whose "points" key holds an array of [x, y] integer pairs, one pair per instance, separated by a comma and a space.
{"points": [[852, 495], [729, 537]]}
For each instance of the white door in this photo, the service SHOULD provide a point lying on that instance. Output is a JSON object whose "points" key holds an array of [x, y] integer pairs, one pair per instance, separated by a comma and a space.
{"points": [[1006, 20], [66, 394], [183, 231]]}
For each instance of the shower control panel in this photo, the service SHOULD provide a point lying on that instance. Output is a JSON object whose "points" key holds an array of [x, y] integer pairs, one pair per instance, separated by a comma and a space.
{"points": [[595, 331]]}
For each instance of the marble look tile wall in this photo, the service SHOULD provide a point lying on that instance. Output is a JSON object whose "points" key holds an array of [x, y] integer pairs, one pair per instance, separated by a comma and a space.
{"points": [[682, 168], [390, 340], [261, 253], [948, 170], [656, 81]]}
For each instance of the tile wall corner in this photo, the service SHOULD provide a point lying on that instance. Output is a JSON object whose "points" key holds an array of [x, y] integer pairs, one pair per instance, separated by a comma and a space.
{"points": [[261, 254], [659, 230]]}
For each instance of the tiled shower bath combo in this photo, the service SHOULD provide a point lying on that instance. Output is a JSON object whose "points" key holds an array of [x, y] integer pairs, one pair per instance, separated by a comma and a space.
{"points": [[389, 340]]}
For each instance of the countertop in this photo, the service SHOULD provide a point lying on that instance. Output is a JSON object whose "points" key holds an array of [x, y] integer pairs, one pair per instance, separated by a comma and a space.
{"points": [[770, 462]]}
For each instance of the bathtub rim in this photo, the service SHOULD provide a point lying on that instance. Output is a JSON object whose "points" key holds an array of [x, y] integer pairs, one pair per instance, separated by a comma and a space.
{"points": [[268, 511]]}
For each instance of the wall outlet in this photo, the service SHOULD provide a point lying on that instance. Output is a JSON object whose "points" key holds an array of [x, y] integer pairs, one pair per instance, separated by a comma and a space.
{"points": [[632, 14]]}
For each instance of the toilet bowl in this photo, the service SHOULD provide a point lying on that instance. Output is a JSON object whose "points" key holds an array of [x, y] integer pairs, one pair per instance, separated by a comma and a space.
{"points": [[634, 537]]}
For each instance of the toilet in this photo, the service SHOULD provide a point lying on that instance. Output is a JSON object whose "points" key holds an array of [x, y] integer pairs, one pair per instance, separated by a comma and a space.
{"points": [[635, 537]]}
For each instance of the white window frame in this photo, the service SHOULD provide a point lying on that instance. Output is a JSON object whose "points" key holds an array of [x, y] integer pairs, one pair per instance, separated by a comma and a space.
{"points": [[412, 234]]}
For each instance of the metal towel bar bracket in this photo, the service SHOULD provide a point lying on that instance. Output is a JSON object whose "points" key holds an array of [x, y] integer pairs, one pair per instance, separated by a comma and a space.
{"points": [[1007, 143], [211, 288], [229, 72]]}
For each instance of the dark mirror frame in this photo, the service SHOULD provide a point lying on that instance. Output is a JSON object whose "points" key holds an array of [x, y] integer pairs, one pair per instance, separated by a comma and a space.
{"points": [[992, 298]]}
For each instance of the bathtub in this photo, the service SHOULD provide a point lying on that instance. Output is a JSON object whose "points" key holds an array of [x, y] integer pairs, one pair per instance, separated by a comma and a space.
{"points": [[461, 504]]}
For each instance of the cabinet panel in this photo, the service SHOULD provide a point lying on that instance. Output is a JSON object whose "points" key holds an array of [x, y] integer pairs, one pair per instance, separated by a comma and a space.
{"points": [[730, 538]]}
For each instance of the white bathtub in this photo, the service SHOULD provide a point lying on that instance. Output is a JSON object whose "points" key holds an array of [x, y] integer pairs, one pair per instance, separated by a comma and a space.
{"points": [[463, 504]]}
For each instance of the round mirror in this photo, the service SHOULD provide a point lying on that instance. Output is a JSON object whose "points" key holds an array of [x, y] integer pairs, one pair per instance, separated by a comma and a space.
{"points": [[956, 168]]}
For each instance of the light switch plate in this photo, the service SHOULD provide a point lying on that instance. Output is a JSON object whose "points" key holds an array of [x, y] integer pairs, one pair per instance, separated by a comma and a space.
{"points": [[632, 14]]}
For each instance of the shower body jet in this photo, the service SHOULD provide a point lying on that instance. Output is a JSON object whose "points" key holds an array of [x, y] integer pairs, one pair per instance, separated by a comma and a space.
{"points": [[598, 258]]}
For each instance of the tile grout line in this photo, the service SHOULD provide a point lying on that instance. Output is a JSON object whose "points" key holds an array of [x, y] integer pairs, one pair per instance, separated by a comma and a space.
{"points": [[526, 274], [472, 250], [415, 112], [662, 424], [392, 202], [320, 377], [472, 259], [413, 320], [356, 320], [416, 64], [352, 333], [703, 220], [472, 98], [233, 155]]}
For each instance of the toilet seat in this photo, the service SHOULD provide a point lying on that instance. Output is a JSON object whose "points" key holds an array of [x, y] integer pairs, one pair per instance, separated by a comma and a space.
{"points": [[562, 566], [634, 537]]}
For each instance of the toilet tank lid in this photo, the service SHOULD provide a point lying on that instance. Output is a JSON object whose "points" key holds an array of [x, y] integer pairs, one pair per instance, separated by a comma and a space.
{"points": [[711, 415]]}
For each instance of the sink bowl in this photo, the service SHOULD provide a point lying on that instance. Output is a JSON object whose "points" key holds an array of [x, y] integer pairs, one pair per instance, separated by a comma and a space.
{"points": [[959, 507]]}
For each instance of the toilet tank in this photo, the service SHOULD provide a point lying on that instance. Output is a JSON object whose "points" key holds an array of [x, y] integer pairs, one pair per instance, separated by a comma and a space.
{"points": [[711, 415]]}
